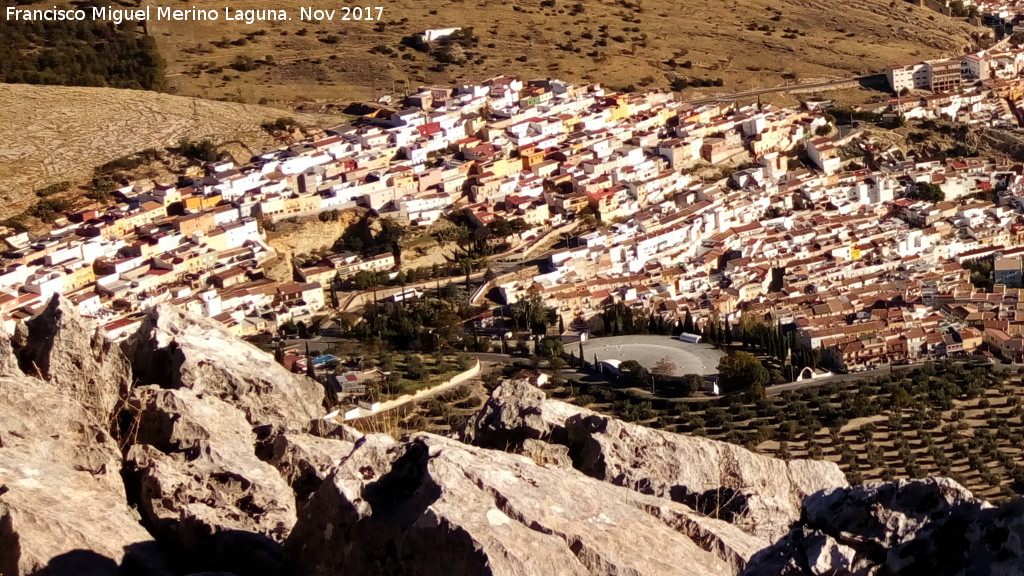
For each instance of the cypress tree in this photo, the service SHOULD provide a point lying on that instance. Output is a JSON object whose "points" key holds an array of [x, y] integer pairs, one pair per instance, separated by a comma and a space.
{"points": [[310, 369]]}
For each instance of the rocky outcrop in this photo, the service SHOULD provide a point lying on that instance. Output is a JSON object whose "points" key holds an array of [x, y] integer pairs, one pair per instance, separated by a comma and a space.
{"points": [[200, 485], [759, 494], [513, 414], [178, 350], [61, 493], [435, 506], [67, 351], [931, 526], [8, 343], [305, 461]]}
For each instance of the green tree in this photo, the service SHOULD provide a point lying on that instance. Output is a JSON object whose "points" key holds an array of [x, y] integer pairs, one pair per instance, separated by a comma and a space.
{"points": [[366, 280], [391, 235], [587, 217], [740, 370], [688, 322], [386, 362], [550, 348], [930, 192], [530, 313], [634, 374], [310, 368], [440, 363], [413, 367], [200, 151], [500, 228], [692, 383], [557, 365]]}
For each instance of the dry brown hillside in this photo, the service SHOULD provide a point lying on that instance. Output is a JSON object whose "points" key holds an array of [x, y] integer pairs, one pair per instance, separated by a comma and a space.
{"points": [[55, 133], [747, 43]]}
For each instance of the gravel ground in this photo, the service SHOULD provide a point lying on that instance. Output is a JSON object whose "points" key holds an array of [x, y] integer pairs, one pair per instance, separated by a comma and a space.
{"points": [[648, 349]]}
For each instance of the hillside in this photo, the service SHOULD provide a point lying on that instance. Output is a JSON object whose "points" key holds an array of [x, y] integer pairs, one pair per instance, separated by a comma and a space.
{"points": [[746, 43], [59, 133]]}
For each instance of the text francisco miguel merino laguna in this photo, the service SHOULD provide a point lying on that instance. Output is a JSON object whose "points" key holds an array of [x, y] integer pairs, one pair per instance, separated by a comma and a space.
{"points": [[119, 15]]}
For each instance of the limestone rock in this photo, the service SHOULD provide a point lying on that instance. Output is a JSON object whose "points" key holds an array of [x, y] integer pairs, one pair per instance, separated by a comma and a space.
{"points": [[179, 350], [930, 526], [435, 506], [200, 484], [547, 454], [510, 416], [62, 502], [67, 351], [9, 342], [330, 428], [305, 461], [761, 495]]}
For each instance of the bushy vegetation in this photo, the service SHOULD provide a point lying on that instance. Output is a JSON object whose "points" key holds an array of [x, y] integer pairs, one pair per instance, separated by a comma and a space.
{"points": [[452, 49], [198, 150], [56, 188], [929, 192], [684, 83], [282, 124], [957, 9], [981, 274], [87, 53], [364, 238], [430, 323]]}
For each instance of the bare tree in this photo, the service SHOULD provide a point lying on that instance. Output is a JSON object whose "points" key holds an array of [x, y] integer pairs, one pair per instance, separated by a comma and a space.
{"points": [[665, 369]]}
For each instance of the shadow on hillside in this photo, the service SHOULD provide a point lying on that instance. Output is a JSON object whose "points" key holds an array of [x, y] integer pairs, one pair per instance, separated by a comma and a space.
{"points": [[875, 82]]}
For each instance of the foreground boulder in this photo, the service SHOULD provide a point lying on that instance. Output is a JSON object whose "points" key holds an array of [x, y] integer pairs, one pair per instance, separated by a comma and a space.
{"points": [[201, 487], [930, 526], [63, 506], [179, 350], [512, 415], [8, 359], [759, 494], [68, 352], [305, 461], [433, 506]]}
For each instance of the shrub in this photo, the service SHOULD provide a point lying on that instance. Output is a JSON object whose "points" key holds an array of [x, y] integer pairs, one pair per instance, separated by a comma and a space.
{"points": [[584, 400], [243, 63], [62, 186]]}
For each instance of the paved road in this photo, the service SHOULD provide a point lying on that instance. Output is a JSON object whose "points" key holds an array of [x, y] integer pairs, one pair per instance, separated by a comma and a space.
{"points": [[513, 260]]}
